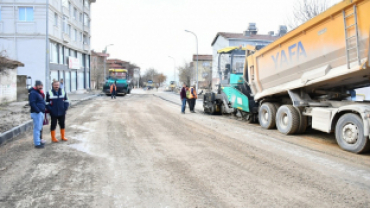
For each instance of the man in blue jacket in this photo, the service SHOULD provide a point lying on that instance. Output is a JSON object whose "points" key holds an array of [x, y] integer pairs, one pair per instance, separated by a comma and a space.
{"points": [[57, 103], [37, 104]]}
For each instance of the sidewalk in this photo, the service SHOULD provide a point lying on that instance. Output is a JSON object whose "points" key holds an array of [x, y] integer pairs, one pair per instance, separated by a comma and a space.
{"points": [[16, 118]]}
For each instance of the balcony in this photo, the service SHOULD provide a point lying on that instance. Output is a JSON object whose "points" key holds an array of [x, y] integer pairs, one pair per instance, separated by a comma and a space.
{"points": [[26, 27], [55, 32], [66, 11], [55, 4], [86, 29], [86, 47], [66, 38]]}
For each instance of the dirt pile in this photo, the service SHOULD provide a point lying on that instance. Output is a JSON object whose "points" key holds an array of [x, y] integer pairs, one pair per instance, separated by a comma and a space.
{"points": [[13, 114]]}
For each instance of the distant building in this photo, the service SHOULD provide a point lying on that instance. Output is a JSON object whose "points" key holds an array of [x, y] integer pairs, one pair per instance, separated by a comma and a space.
{"points": [[204, 70], [117, 64], [248, 37], [120, 64], [57, 50], [97, 61]]}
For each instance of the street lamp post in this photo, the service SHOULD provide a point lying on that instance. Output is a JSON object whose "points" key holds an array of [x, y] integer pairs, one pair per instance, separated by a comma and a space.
{"points": [[197, 52], [174, 68], [105, 60]]}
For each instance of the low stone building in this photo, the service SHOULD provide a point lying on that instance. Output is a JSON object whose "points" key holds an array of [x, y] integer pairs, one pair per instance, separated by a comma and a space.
{"points": [[8, 79]]}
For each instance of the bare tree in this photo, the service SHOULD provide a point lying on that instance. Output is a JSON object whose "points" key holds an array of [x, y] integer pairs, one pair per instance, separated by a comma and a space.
{"points": [[304, 10], [160, 78], [186, 72], [3, 62]]}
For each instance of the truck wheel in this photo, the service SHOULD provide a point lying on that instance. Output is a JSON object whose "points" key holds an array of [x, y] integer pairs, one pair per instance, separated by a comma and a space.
{"points": [[267, 115], [349, 133], [287, 119], [302, 122]]}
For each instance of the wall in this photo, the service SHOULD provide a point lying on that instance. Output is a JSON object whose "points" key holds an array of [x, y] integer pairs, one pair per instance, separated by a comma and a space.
{"points": [[8, 86], [202, 69], [22, 91]]}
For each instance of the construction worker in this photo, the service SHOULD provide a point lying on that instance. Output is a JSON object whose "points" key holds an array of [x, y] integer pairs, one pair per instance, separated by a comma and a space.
{"points": [[192, 98], [113, 90], [37, 104], [183, 98], [57, 103]]}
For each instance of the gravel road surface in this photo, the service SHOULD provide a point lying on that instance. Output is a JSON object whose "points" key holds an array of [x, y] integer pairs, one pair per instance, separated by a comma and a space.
{"points": [[139, 151]]}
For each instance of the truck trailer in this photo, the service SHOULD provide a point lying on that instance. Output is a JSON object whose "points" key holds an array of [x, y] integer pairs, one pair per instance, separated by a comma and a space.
{"points": [[307, 78]]}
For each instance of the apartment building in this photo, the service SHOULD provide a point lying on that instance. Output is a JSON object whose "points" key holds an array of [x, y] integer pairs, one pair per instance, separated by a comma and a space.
{"points": [[51, 37]]}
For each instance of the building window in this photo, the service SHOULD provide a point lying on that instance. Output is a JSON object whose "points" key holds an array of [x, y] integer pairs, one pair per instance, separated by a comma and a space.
{"points": [[87, 3], [55, 19], [65, 25], [65, 3], [81, 17], [53, 53], [69, 30], [73, 53], [86, 20], [61, 55], [80, 59], [70, 7], [66, 55], [86, 40], [81, 40], [73, 34], [74, 13], [25, 14], [87, 59]]}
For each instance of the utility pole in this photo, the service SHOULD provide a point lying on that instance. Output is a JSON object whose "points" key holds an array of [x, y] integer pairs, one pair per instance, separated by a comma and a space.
{"points": [[174, 69]]}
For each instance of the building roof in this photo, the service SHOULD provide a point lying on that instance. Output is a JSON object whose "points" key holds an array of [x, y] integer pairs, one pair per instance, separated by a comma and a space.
{"points": [[116, 61], [93, 53], [241, 36], [9, 63], [202, 57], [115, 66]]}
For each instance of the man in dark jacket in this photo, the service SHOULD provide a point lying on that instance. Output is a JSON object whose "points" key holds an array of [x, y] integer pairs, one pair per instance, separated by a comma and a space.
{"points": [[183, 98], [37, 104], [57, 103]]}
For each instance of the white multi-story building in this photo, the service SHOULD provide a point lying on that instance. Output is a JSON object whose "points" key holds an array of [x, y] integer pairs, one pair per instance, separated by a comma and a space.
{"points": [[51, 37]]}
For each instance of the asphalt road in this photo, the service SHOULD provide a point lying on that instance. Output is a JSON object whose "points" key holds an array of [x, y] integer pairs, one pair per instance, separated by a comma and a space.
{"points": [[139, 151]]}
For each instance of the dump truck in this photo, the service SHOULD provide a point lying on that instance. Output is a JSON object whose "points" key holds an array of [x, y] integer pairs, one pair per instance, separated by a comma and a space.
{"points": [[120, 76], [307, 77]]}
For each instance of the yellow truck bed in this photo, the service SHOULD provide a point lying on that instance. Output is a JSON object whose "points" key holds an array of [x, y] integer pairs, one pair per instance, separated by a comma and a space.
{"points": [[315, 55]]}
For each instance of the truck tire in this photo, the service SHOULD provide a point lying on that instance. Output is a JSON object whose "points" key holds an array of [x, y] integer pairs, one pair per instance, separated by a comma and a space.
{"points": [[349, 133], [287, 119], [302, 122], [267, 115]]}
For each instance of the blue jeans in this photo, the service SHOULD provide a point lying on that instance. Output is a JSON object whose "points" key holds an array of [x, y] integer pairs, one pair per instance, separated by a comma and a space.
{"points": [[38, 119], [183, 105]]}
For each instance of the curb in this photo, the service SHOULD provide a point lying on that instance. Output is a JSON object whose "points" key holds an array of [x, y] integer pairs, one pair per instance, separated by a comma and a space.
{"points": [[28, 125]]}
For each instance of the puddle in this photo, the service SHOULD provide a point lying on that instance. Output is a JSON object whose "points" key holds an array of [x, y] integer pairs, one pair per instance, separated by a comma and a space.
{"points": [[82, 147], [82, 128]]}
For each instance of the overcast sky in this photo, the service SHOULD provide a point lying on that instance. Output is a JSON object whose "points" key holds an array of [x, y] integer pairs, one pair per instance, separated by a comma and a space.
{"points": [[146, 32]]}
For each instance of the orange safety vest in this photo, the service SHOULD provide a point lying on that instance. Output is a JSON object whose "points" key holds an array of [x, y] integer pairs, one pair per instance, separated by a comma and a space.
{"points": [[111, 88], [195, 96]]}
